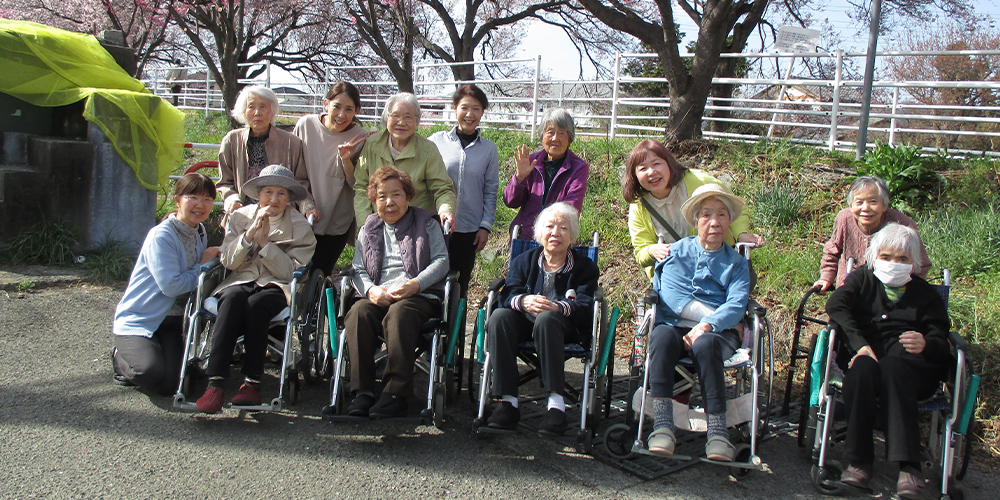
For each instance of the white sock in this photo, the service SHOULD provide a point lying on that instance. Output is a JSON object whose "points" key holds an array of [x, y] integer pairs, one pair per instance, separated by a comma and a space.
{"points": [[556, 401], [510, 399]]}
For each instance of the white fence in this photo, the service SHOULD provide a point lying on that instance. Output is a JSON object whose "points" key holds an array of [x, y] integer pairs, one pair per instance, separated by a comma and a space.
{"points": [[819, 112]]}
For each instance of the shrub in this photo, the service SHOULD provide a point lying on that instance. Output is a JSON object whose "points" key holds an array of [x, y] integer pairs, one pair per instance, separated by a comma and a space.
{"points": [[912, 179], [46, 244]]}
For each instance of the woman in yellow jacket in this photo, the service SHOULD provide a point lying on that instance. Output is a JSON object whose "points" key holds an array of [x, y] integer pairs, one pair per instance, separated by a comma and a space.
{"points": [[656, 185]]}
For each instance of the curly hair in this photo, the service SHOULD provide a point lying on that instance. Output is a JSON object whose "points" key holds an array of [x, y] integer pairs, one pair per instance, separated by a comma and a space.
{"points": [[387, 173]]}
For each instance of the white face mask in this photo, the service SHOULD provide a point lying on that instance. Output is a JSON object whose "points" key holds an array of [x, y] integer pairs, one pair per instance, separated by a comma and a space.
{"points": [[892, 274]]}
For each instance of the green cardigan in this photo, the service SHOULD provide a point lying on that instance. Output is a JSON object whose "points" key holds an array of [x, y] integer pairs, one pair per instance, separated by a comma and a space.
{"points": [[640, 223], [420, 158]]}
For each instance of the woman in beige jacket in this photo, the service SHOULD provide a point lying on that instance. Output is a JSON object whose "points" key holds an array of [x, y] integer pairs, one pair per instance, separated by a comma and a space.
{"points": [[264, 244]]}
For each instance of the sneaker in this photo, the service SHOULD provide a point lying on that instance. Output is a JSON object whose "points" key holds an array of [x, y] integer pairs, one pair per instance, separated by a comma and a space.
{"points": [[910, 485], [211, 401], [248, 395], [720, 449], [117, 376], [389, 406], [554, 423], [504, 416], [662, 442], [361, 405], [858, 476]]}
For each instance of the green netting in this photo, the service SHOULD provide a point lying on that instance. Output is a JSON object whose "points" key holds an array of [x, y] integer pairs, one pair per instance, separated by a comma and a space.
{"points": [[49, 67]]}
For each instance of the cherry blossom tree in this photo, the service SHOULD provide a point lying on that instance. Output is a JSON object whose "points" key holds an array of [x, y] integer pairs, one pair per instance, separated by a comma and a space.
{"points": [[144, 22]]}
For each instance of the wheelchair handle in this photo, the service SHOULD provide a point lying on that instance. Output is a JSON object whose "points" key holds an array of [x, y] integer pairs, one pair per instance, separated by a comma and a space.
{"points": [[651, 297]]}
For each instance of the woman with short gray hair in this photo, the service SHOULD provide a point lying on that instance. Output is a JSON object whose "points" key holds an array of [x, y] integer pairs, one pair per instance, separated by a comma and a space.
{"points": [[547, 298], [551, 175], [245, 151], [867, 212], [400, 146], [895, 350]]}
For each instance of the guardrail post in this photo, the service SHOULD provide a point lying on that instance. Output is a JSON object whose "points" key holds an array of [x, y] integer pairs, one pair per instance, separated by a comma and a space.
{"points": [[892, 121], [781, 95], [614, 96], [835, 108], [267, 73], [534, 96], [208, 90]]}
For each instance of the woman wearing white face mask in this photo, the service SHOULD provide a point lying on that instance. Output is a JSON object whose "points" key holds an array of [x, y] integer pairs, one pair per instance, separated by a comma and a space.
{"points": [[895, 352]]}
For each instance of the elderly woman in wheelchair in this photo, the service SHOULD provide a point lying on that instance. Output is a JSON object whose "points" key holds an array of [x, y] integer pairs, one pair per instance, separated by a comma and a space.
{"points": [[548, 299], [400, 265], [264, 244], [703, 290], [896, 351]]}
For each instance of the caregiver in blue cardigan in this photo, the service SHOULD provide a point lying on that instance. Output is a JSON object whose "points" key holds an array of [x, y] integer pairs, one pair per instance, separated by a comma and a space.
{"points": [[149, 342]]}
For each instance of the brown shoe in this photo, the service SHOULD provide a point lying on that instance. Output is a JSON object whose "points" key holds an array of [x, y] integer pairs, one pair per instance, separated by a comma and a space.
{"points": [[910, 485], [858, 476]]}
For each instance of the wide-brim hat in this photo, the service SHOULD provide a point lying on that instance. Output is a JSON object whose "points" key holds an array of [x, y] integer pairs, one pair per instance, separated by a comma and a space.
{"points": [[275, 175], [734, 203]]}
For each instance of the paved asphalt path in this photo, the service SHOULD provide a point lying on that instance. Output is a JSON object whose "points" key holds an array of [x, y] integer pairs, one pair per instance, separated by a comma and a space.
{"points": [[67, 432]]}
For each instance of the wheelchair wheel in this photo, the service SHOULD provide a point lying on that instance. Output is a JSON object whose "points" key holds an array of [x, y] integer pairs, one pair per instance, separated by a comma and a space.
{"points": [[291, 387], [618, 441], [742, 455], [806, 433], [307, 325], [826, 480], [439, 397], [322, 363]]}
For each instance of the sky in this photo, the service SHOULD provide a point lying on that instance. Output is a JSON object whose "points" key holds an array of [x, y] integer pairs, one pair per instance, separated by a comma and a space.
{"points": [[560, 57]]}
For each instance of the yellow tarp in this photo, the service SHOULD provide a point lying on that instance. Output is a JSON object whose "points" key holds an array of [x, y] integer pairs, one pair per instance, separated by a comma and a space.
{"points": [[46, 66]]}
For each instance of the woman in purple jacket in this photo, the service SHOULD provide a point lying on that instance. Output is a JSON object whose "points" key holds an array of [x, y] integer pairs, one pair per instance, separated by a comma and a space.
{"points": [[548, 176]]}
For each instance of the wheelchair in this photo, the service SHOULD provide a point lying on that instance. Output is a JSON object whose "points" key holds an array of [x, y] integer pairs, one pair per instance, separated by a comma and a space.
{"points": [[295, 336], [947, 449], [749, 386], [592, 397], [438, 348]]}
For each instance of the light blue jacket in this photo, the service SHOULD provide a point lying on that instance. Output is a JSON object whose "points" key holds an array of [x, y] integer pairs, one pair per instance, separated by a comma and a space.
{"points": [[475, 170], [719, 278], [159, 277]]}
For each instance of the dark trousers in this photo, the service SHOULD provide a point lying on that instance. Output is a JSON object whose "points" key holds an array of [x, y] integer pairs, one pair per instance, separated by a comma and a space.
{"points": [[550, 331], [246, 310], [399, 324], [893, 384], [462, 256], [153, 363], [328, 250], [666, 346]]}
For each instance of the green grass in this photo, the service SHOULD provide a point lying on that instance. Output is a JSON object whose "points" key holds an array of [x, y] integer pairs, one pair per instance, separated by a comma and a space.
{"points": [[109, 263], [48, 243]]}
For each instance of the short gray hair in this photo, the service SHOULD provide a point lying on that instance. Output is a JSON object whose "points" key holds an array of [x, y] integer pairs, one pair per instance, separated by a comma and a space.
{"points": [[240, 108], [402, 97], [865, 182], [560, 118], [897, 237], [562, 209]]}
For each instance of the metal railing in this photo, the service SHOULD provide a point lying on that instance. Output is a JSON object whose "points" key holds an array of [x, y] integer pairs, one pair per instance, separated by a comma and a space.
{"points": [[811, 111]]}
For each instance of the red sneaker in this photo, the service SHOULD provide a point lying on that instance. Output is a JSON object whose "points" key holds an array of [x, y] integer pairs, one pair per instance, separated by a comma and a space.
{"points": [[248, 395], [211, 401]]}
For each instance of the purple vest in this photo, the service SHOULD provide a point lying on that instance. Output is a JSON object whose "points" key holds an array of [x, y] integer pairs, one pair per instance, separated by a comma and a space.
{"points": [[414, 249]]}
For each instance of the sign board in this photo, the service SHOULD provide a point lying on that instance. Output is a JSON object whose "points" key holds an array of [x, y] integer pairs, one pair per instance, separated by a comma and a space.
{"points": [[793, 39]]}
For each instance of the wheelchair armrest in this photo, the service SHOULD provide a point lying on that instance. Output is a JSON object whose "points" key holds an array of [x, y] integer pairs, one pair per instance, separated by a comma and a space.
{"points": [[208, 266], [496, 284], [651, 297], [452, 276], [755, 308], [302, 271], [959, 342]]}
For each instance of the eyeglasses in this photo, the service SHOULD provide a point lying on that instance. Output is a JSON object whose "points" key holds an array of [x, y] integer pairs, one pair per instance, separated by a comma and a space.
{"points": [[405, 118]]}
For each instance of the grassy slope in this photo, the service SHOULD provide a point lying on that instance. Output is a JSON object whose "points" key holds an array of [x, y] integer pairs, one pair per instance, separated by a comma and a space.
{"points": [[794, 194]]}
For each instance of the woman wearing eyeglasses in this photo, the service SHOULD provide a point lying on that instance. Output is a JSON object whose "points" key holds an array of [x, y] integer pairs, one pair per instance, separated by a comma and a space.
{"points": [[400, 146]]}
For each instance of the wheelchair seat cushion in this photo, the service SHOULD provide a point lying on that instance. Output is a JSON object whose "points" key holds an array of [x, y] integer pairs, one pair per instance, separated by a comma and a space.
{"points": [[212, 306]]}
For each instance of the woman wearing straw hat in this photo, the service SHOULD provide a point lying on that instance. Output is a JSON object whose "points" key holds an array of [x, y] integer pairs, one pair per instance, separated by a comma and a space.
{"points": [[703, 286], [264, 244]]}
